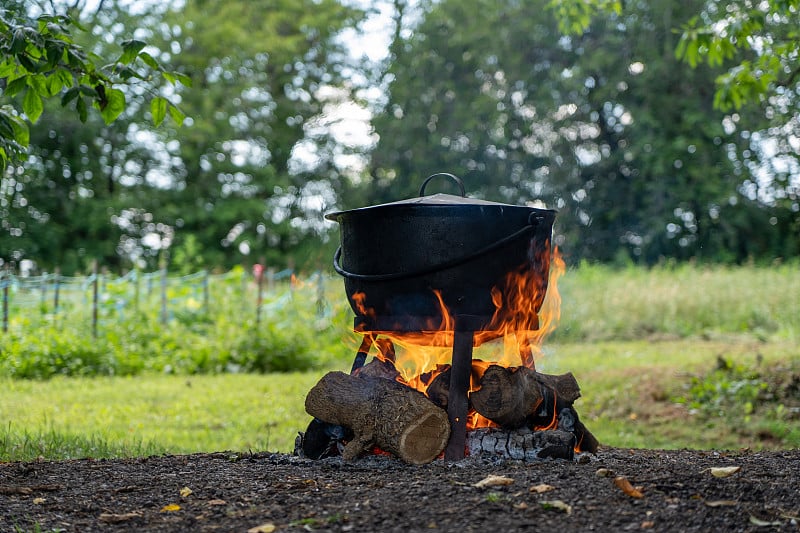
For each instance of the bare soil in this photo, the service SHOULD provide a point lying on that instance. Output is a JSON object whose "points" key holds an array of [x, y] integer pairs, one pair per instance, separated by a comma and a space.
{"points": [[279, 492]]}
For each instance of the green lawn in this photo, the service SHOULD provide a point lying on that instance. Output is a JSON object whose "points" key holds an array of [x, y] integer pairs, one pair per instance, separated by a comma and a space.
{"points": [[151, 414], [629, 399]]}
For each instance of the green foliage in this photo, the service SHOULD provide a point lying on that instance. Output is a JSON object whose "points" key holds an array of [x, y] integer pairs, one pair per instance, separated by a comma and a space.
{"points": [[42, 60], [729, 386], [290, 335], [761, 400], [757, 42], [627, 146], [575, 16]]}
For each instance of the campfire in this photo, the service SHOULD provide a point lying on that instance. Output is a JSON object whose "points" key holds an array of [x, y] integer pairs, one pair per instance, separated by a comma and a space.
{"points": [[454, 315]]}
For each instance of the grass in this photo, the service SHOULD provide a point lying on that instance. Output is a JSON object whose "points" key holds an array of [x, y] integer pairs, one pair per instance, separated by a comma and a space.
{"points": [[634, 395], [601, 303], [639, 393], [124, 416], [645, 345]]}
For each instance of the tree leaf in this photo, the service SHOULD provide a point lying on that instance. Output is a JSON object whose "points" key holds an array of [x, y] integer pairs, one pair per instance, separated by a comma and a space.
{"points": [[32, 104], [177, 115], [69, 95], [80, 107], [185, 80], [130, 50], [15, 86], [158, 108], [22, 133], [114, 105], [149, 60]]}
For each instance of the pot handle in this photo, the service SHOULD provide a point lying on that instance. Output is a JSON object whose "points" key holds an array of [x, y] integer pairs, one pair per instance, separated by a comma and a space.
{"points": [[451, 176], [533, 221]]}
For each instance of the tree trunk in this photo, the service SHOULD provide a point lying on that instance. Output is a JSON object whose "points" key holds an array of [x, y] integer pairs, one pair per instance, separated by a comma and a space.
{"points": [[383, 413]]}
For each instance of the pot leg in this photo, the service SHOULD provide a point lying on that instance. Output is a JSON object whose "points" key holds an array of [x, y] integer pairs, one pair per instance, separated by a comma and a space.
{"points": [[458, 401], [363, 351]]}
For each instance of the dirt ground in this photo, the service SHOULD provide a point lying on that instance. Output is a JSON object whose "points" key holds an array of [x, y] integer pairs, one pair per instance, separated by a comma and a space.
{"points": [[278, 492]]}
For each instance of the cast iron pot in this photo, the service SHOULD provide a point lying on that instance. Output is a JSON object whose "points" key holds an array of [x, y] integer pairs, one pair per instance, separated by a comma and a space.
{"points": [[397, 254]]}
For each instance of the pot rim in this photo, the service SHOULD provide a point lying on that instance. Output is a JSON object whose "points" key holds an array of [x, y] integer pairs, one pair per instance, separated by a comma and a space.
{"points": [[435, 200]]}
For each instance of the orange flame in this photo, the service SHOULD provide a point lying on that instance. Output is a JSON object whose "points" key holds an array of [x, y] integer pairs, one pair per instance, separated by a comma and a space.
{"points": [[421, 356]]}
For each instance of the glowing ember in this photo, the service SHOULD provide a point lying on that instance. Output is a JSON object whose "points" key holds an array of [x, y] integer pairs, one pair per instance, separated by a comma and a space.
{"points": [[516, 326]]}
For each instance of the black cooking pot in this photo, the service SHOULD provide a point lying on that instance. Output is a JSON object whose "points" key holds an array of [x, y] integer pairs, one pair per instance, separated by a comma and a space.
{"points": [[398, 254]]}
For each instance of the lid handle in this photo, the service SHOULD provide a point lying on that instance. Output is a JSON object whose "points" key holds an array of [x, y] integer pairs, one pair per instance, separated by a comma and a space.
{"points": [[451, 176]]}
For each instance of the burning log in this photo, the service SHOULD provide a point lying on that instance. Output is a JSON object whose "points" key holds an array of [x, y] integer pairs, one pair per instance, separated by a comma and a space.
{"points": [[521, 444], [439, 387], [509, 396], [383, 413], [521, 397], [378, 369]]}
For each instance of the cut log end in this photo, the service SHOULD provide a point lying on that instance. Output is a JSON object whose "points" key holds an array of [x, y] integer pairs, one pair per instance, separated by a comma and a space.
{"points": [[382, 413], [422, 442]]}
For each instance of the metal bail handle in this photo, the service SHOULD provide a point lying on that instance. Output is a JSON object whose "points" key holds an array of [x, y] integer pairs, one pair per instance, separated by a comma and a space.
{"points": [[533, 222], [451, 176]]}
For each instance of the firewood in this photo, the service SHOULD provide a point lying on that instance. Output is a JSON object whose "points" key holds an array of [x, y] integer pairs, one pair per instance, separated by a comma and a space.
{"points": [[377, 368], [510, 396], [439, 387], [381, 413], [521, 444]]}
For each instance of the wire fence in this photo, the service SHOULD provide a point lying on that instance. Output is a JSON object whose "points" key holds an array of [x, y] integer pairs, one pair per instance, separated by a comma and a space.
{"points": [[99, 297]]}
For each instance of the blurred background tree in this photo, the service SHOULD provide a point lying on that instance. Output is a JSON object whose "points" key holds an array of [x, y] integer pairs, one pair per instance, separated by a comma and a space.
{"points": [[658, 129]]}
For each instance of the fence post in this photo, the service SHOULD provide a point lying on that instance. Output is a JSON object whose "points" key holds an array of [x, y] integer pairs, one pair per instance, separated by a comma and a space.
{"points": [[6, 282], [136, 290], [271, 280], [206, 290], [56, 286], [320, 294], [259, 271], [243, 287], [43, 304], [163, 293], [95, 287]]}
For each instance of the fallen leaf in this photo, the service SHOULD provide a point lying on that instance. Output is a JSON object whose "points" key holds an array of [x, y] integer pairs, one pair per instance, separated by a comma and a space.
{"points": [[39, 501], [521, 506], [542, 487], [15, 490], [186, 491], [604, 472], [493, 481], [112, 518], [625, 486], [269, 527], [763, 523], [556, 504], [170, 508], [217, 502], [724, 471], [721, 503], [648, 524]]}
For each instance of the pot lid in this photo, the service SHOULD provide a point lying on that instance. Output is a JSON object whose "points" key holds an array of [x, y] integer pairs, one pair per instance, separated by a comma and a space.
{"points": [[438, 199]]}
